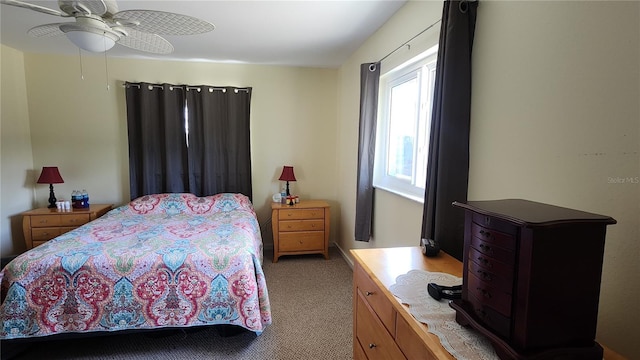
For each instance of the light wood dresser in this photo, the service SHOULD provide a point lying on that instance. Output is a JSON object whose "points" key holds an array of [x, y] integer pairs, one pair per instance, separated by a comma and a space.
{"points": [[383, 328], [43, 224], [302, 228]]}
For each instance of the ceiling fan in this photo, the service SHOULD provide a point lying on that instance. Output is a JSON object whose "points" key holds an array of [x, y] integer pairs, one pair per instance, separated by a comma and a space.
{"points": [[99, 25]]}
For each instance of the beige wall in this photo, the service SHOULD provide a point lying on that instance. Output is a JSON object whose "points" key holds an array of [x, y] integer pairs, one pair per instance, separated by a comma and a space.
{"points": [[397, 220], [16, 172], [80, 125], [555, 118]]}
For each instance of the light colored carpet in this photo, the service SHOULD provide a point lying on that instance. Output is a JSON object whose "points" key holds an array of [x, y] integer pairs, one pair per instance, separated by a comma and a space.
{"points": [[311, 304]]}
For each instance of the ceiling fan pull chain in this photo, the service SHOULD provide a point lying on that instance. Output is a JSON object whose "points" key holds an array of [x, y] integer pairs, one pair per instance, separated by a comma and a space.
{"points": [[80, 57], [106, 66]]}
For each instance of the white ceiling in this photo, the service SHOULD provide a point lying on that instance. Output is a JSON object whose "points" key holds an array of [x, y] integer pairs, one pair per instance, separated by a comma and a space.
{"points": [[315, 33]]}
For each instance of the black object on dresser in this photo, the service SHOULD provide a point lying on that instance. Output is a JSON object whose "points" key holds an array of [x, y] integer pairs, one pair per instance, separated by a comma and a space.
{"points": [[531, 278]]}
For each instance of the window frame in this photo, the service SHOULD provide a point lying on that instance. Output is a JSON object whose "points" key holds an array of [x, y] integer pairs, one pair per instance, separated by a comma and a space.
{"points": [[421, 67]]}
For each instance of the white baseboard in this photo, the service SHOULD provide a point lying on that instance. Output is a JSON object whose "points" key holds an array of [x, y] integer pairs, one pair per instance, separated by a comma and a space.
{"points": [[344, 255]]}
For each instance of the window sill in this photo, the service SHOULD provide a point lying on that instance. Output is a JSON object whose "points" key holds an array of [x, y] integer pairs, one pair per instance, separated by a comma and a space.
{"points": [[401, 194]]}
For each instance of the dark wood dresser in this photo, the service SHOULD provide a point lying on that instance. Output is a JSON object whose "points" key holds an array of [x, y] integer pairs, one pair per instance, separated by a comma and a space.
{"points": [[531, 278]]}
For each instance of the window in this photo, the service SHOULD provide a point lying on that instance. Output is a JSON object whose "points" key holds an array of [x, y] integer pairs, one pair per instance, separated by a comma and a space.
{"points": [[402, 142]]}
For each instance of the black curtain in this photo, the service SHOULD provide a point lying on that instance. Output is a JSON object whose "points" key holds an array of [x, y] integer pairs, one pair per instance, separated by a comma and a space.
{"points": [[213, 157], [219, 140], [157, 143], [448, 168], [369, 84]]}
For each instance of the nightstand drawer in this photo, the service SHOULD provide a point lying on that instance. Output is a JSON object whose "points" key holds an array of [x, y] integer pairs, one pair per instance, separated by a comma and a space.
{"points": [[300, 229], [45, 220], [296, 214], [302, 241], [44, 234], [74, 220], [43, 224], [302, 225]]}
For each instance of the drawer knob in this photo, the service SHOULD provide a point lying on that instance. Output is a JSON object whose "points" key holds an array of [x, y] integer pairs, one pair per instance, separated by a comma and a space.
{"points": [[485, 275], [486, 248], [481, 312], [371, 346], [485, 233], [484, 292], [368, 293], [484, 261]]}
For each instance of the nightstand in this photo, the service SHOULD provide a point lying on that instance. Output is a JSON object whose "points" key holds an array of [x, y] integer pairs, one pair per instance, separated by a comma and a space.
{"points": [[42, 225], [302, 228]]}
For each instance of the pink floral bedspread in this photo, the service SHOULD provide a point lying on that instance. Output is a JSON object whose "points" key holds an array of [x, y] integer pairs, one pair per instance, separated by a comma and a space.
{"points": [[167, 260]]}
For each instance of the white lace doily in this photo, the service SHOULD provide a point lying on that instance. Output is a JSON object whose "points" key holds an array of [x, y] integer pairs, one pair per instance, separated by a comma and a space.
{"points": [[462, 343]]}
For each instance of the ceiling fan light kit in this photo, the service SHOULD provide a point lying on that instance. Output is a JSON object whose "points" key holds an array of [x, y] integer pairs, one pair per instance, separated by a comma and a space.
{"points": [[90, 41], [99, 25], [90, 33]]}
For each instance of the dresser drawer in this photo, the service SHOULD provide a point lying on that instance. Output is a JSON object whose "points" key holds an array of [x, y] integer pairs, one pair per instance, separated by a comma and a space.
{"points": [[410, 343], [493, 237], [301, 241], [45, 220], [499, 323], [44, 234], [302, 225], [488, 295], [371, 335], [501, 254], [296, 214], [74, 220], [358, 352], [376, 299]]}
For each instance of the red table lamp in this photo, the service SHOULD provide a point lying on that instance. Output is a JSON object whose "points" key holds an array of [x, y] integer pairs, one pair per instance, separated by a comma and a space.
{"points": [[287, 175], [50, 175]]}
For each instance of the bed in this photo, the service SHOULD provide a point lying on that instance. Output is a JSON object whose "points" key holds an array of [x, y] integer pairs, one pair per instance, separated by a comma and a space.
{"points": [[161, 261]]}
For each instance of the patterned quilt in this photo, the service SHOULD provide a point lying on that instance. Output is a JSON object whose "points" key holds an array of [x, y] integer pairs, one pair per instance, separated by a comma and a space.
{"points": [[166, 260]]}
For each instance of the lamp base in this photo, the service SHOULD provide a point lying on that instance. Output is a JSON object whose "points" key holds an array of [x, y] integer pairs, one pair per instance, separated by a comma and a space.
{"points": [[52, 198]]}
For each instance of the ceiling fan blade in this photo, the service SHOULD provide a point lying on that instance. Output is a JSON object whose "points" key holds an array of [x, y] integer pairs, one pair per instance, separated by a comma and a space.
{"points": [[146, 42], [45, 31], [93, 7], [34, 7], [164, 23]]}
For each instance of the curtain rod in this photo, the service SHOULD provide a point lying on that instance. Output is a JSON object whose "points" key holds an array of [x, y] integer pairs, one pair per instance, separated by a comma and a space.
{"points": [[186, 87], [408, 41]]}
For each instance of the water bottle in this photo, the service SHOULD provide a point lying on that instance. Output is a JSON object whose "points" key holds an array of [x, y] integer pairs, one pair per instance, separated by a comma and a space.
{"points": [[85, 198], [75, 203], [283, 195]]}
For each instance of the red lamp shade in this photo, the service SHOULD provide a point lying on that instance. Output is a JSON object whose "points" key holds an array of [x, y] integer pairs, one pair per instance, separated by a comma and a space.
{"points": [[287, 174], [50, 175]]}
